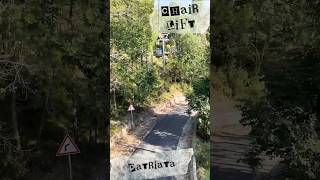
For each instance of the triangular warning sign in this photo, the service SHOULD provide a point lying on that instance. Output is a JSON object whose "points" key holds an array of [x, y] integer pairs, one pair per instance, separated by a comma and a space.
{"points": [[67, 147], [131, 108]]}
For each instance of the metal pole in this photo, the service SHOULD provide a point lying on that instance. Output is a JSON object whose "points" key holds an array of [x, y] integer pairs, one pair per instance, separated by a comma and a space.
{"points": [[132, 119], [163, 52], [70, 167]]}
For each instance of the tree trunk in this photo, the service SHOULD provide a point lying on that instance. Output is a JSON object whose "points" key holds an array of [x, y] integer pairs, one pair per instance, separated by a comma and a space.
{"points": [[90, 135], [318, 115], [44, 116], [141, 59], [75, 123], [106, 136], [96, 132], [16, 133], [211, 100], [75, 115], [115, 102]]}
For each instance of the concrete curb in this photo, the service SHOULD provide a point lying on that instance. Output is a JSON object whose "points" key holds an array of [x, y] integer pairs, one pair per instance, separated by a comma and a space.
{"points": [[190, 126]]}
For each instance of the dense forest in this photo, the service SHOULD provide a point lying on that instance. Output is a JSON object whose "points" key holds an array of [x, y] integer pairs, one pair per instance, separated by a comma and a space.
{"points": [[265, 55], [53, 81], [136, 74]]}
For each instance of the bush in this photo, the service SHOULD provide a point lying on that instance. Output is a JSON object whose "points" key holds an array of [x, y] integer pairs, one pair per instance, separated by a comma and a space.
{"points": [[201, 152], [135, 85], [237, 83], [198, 100], [285, 132], [12, 161]]}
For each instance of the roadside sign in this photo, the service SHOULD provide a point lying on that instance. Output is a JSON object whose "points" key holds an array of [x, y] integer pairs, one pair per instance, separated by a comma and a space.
{"points": [[131, 108], [184, 16], [68, 146]]}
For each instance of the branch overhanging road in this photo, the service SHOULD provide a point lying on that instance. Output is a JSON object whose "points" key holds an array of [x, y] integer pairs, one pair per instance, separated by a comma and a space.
{"points": [[230, 142]]}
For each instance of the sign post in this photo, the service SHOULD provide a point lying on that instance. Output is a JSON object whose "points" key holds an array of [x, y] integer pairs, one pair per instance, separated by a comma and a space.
{"points": [[70, 167], [131, 108], [163, 54], [68, 147]]}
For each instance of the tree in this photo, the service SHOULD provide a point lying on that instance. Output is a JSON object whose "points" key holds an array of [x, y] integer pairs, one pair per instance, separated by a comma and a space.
{"points": [[276, 51], [53, 73]]}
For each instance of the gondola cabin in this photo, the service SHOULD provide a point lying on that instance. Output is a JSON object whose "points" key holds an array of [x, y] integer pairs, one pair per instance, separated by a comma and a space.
{"points": [[159, 48], [158, 52]]}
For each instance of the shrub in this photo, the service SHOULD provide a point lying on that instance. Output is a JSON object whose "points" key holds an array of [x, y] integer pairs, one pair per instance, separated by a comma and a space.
{"points": [[198, 100]]}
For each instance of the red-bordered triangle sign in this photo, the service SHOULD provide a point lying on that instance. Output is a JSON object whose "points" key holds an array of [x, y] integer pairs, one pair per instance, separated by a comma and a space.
{"points": [[131, 108], [68, 146]]}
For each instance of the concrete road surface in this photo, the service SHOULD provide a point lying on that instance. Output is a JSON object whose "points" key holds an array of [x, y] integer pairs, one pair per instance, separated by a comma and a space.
{"points": [[230, 142], [166, 133]]}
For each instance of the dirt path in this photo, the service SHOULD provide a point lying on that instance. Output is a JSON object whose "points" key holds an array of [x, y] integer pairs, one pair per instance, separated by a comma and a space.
{"points": [[230, 141]]}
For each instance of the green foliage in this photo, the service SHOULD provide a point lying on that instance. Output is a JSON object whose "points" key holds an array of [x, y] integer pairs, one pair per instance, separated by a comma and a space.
{"points": [[201, 149], [266, 56], [52, 77], [147, 82], [198, 100], [12, 161], [129, 26], [285, 124], [237, 84], [191, 62], [137, 85], [136, 75], [134, 79]]}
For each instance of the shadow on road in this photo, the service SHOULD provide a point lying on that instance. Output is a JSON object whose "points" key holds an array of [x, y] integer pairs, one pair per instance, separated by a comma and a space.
{"points": [[219, 173], [166, 133], [227, 149]]}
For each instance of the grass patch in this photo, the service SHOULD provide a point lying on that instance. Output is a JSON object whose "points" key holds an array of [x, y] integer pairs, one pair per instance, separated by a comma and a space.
{"points": [[115, 126], [202, 152], [174, 89]]}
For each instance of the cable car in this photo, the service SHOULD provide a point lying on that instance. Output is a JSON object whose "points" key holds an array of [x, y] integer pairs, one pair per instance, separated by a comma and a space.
{"points": [[159, 47], [158, 52]]}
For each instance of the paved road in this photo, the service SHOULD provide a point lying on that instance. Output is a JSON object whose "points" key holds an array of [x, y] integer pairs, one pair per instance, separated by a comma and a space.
{"points": [[230, 141], [165, 134]]}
